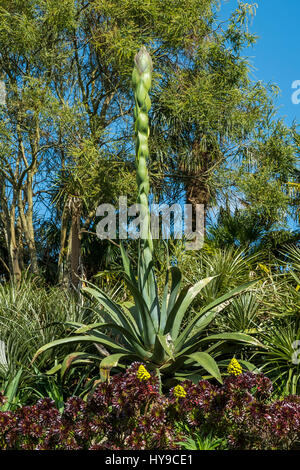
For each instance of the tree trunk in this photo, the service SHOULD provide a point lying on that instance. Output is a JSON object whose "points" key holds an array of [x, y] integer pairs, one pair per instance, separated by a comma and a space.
{"points": [[197, 193]]}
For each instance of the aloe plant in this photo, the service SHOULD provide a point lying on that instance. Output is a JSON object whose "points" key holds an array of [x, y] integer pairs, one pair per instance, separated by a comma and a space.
{"points": [[152, 330]]}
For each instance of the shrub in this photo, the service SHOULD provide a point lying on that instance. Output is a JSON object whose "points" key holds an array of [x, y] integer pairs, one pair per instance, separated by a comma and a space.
{"points": [[242, 412]]}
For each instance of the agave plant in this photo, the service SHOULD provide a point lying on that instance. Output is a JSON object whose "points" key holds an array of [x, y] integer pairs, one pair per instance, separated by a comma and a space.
{"points": [[200, 441], [153, 330]]}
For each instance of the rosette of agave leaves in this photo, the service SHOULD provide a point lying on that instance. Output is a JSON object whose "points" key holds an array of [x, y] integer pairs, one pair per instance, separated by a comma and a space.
{"points": [[154, 330]]}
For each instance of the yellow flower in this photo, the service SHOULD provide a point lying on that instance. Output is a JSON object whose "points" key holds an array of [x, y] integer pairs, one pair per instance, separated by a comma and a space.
{"points": [[297, 288], [143, 374], [179, 391], [234, 368]]}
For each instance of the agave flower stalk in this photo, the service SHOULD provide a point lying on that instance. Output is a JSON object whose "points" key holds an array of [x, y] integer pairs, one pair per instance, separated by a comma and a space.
{"points": [[141, 83]]}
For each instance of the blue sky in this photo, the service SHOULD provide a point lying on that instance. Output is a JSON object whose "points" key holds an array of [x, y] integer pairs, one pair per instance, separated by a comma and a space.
{"points": [[276, 54]]}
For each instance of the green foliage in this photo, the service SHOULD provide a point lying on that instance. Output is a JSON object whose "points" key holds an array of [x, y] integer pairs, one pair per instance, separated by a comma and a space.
{"points": [[31, 315]]}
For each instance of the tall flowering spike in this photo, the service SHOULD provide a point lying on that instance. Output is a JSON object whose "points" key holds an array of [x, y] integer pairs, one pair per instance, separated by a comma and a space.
{"points": [[234, 367], [141, 82]]}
